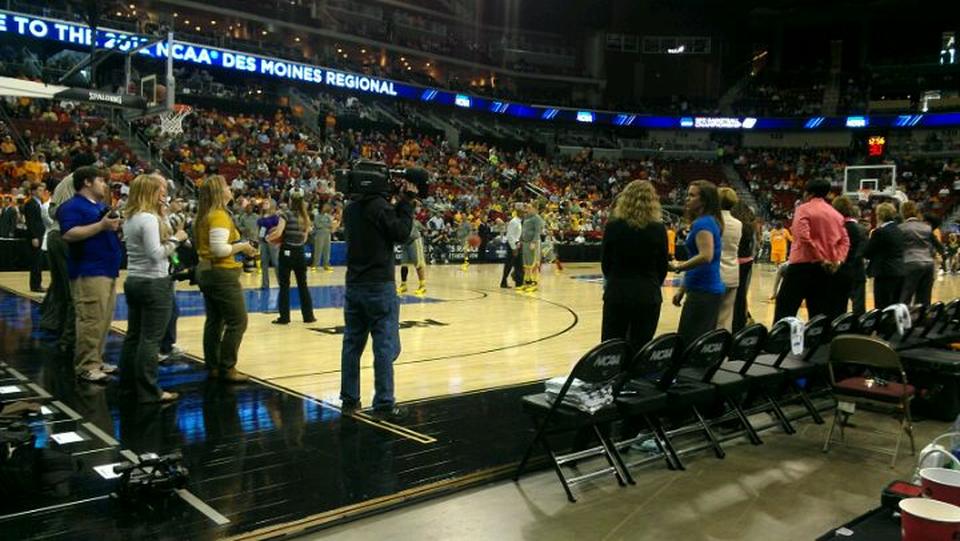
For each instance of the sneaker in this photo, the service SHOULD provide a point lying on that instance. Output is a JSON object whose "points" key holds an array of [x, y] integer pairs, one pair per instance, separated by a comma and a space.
{"points": [[420, 291], [175, 353], [310, 320], [280, 321], [93, 376], [504, 285], [401, 289], [328, 269], [108, 368], [394, 414]]}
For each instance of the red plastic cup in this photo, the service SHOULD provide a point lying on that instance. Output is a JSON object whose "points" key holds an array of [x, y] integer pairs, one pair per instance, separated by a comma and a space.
{"points": [[941, 484], [923, 519]]}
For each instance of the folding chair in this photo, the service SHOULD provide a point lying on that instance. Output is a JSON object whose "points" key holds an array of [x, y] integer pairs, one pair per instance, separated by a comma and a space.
{"points": [[948, 331], [842, 324], [733, 387], [640, 398], [766, 381], [799, 367], [867, 324], [878, 358], [888, 330], [601, 366], [687, 393]]}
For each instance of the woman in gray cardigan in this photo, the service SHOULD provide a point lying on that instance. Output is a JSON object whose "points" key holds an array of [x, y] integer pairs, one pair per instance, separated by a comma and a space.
{"points": [[148, 288], [918, 252]]}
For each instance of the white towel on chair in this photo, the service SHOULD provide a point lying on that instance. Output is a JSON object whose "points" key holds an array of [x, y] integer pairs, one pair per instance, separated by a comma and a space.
{"points": [[901, 315], [796, 334]]}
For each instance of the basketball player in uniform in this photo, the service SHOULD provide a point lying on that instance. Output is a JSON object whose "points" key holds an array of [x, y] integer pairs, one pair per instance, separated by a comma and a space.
{"points": [[548, 250], [464, 230], [530, 246], [779, 237], [412, 253], [323, 226]]}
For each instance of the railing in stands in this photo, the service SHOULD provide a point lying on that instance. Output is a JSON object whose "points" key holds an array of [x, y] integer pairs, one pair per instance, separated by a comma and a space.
{"points": [[22, 146]]}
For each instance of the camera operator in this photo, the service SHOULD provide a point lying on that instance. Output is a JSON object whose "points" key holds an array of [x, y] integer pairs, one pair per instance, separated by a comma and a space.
{"points": [[373, 226]]}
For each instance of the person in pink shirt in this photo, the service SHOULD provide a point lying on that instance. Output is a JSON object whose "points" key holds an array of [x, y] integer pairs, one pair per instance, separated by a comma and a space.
{"points": [[820, 246]]}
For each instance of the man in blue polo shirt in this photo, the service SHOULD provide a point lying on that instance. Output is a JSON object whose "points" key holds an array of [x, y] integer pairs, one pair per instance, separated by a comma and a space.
{"points": [[89, 228]]}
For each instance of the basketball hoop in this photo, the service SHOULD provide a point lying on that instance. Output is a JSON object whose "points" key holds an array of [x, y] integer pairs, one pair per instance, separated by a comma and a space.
{"points": [[171, 122]]}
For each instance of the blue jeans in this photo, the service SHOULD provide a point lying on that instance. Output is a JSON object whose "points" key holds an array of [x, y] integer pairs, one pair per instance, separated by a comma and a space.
{"points": [[370, 309]]}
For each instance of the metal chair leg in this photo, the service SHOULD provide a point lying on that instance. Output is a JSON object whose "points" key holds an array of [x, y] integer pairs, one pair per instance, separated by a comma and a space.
{"points": [[613, 458], [660, 444], [558, 470], [717, 449], [833, 425], [671, 450], [896, 448], [751, 432], [817, 418], [779, 414], [909, 417], [526, 456]]}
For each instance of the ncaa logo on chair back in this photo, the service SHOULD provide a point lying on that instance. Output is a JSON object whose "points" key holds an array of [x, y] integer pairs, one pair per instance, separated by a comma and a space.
{"points": [[662, 355], [607, 361], [713, 348]]}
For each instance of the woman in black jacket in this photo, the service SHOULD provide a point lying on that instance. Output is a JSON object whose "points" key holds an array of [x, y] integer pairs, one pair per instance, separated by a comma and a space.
{"points": [[851, 277], [634, 265], [746, 251], [885, 252]]}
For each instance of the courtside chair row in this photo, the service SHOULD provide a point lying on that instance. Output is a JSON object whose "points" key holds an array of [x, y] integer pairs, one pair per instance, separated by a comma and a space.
{"points": [[707, 390]]}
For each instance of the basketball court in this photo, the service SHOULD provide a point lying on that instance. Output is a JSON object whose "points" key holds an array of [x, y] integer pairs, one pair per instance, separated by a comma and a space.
{"points": [[465, 335]]}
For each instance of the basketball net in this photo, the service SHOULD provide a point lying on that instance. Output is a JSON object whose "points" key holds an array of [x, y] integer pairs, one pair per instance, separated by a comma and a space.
{"points": [[171, 122], [865, 195]]}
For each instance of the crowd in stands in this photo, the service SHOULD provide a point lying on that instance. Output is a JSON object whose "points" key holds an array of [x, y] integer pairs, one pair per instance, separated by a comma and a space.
{"points": [[795, 94]]}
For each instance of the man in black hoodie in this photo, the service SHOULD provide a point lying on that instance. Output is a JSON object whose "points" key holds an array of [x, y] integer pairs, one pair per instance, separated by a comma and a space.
{"points": [[373, 226]]}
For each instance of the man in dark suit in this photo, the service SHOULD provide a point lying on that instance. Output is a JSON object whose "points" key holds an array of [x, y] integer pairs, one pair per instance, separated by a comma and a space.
{"points": [[8, 218], [885, 252], [35, 232]]}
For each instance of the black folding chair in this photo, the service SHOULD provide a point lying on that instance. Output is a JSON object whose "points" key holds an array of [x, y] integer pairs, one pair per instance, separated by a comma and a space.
{"points": [[601, 366], [640, 397], [766, 381], [948, 330], [688, 392], [799, 367], [733, 387], [842, 324], [868, 322]]}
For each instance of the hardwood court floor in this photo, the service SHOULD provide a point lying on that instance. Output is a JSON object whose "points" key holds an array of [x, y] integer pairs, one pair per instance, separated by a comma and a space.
{"points": [[466, 335]]}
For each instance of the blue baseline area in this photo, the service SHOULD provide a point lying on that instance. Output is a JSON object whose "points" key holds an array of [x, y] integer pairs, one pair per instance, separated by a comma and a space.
{"points": [[264, 300]]}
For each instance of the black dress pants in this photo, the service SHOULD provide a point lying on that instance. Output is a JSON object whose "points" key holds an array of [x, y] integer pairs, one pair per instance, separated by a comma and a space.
{"points": [[740, 305], [36, 264], [630, 321], [292, 258], [808, 282], [917, 283], [886, 291], [514, 265]]}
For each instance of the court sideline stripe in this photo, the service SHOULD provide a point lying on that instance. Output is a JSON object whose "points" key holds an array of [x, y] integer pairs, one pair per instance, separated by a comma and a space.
{"points": [[361, 509]]}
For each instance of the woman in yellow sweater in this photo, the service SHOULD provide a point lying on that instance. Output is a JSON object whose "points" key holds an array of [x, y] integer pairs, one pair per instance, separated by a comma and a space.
{"points": [[219, 276]]}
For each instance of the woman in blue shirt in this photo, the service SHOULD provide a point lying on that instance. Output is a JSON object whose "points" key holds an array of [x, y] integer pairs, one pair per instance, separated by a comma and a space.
{"points": [[702, 287]]}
